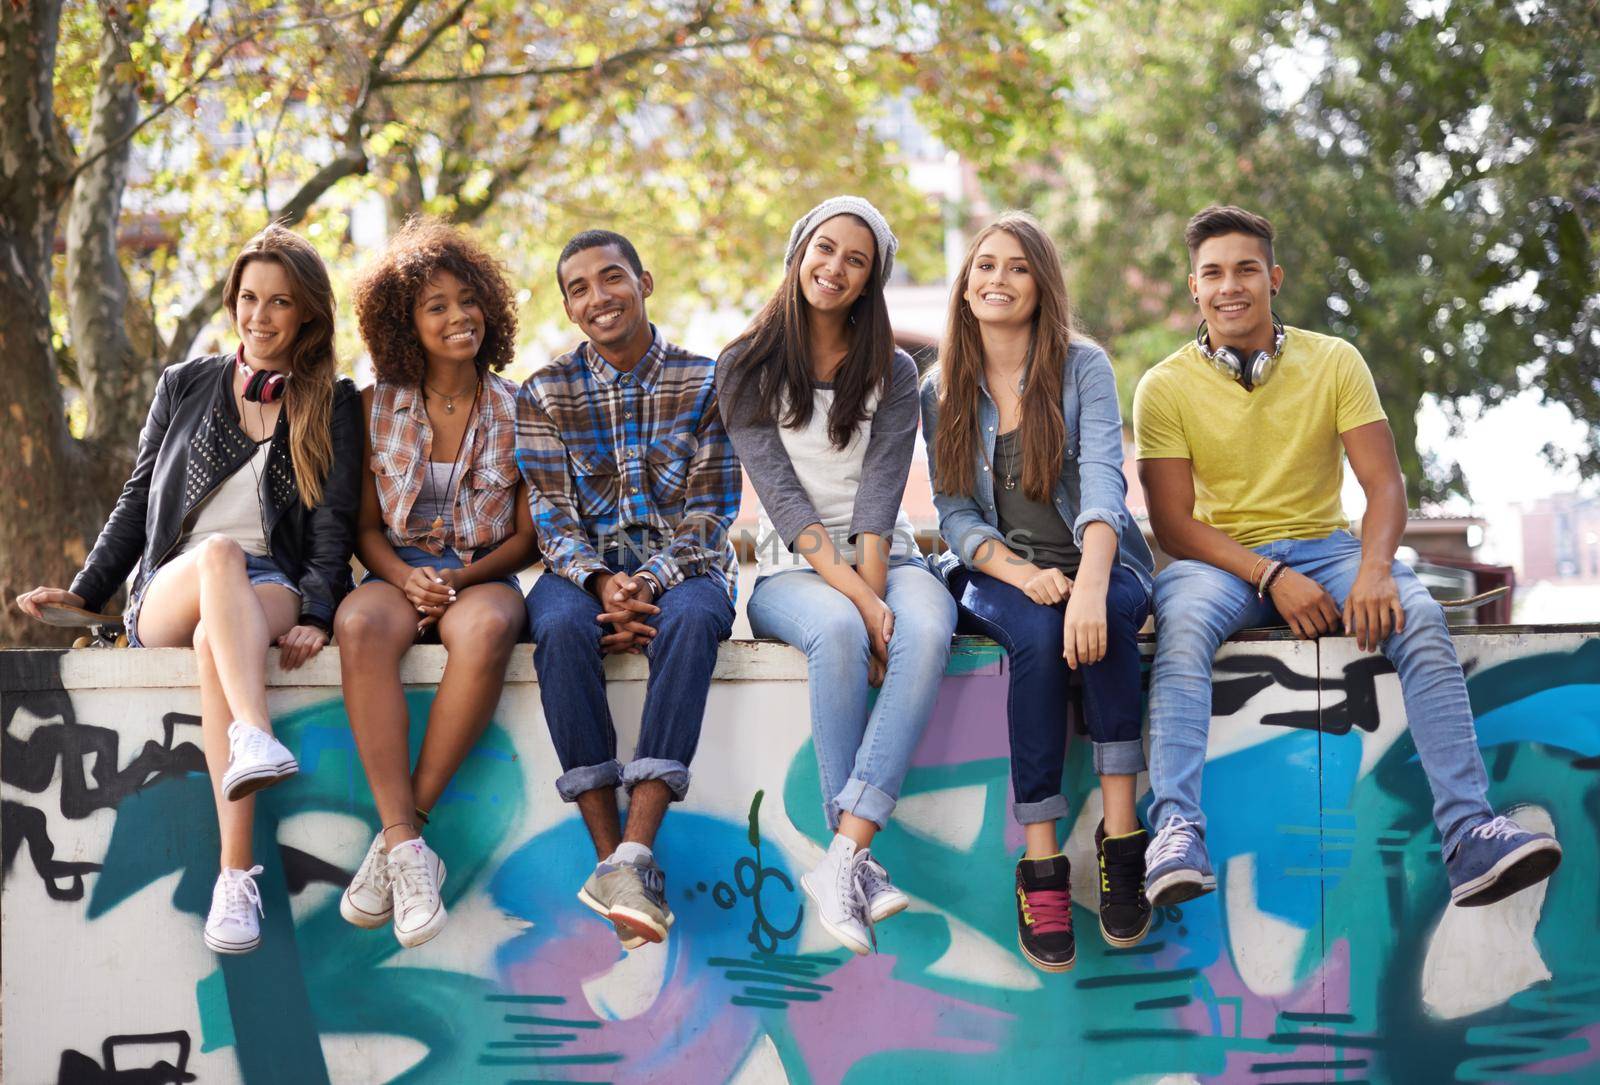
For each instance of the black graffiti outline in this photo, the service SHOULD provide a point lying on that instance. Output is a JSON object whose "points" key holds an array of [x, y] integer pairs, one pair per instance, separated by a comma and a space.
{"points": [[30, 765], [1358, 682], [77, 1068]]}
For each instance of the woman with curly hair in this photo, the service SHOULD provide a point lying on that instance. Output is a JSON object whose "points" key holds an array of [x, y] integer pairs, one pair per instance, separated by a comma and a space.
{"points": [[239, 514], [445, 526]]}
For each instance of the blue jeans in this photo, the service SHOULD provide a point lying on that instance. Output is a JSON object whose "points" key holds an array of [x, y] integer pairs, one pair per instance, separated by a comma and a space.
{"points": [[695, 616], [1036, 701], [1199, 605], [863, 748]]}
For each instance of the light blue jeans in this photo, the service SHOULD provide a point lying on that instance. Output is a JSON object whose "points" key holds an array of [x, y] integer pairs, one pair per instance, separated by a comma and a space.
{"points": [[863, 748], [1199, 605]]}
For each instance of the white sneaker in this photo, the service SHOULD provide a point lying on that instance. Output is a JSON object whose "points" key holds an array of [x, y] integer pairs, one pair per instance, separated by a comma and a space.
{"points": [[368, 901], [835, 889], [882, 896], [255, 760], [233, 926], [417, 874]]}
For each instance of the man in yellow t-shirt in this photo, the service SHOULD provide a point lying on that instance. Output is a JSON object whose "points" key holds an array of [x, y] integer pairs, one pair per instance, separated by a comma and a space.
{"points": [[1240, 437]]}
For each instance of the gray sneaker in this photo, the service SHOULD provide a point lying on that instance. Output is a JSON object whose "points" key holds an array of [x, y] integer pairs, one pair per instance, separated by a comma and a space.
{"points": [[634, 897]]}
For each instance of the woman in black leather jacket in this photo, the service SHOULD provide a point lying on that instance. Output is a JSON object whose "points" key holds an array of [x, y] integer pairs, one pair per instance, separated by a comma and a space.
{"points": [[240, 515]]}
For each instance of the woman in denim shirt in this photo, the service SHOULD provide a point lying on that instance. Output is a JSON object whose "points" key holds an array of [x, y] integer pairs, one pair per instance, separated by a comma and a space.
{"points": [[1025, 455]]}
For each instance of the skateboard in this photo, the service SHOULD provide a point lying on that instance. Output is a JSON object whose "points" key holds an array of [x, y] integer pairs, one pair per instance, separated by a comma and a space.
{"points": [[105, 630]]}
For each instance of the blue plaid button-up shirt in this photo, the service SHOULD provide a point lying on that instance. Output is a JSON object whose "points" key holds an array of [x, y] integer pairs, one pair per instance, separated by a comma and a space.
{"points": [[638, 459]]}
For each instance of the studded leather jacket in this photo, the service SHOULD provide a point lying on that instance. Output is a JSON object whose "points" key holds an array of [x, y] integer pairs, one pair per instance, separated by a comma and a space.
{"points": [[191, 442]]}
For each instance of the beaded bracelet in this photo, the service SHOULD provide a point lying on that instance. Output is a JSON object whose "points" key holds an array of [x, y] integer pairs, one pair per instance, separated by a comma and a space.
{"points": [[1268, 580], [1266, 577]]}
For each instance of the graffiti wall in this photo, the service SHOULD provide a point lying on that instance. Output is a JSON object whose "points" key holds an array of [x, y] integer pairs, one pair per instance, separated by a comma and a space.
{"points": [[1327, 954]]}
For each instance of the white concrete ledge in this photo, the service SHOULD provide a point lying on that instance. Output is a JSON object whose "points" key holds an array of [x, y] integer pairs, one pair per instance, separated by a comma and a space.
{"points": [[738, 661], [147, 668]]}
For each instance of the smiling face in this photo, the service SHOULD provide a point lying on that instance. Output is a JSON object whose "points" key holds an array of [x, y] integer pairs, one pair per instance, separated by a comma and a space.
{"points": [[1000, 288], [605, 299], [1234, 284], [449, 320], [267, 315], [837, 264]]}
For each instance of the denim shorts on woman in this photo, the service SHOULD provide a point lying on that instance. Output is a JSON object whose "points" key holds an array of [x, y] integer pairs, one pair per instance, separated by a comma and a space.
{"points": [[262, 570], [416, 557]]}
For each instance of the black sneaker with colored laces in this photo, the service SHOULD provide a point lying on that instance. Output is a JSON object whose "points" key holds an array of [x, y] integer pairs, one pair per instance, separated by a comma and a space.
{"points": [[1124, 911], [1044, 913]]}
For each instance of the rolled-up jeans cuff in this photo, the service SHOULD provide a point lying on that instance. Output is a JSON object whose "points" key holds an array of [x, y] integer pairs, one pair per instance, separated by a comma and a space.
{"points": [[675, 774], [864, 801], [1031, 813], [1119, 758], [576, 781]]}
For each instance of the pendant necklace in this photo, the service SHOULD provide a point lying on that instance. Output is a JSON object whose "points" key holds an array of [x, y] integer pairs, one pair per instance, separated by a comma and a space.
{"points": [[450, 397], [436, 529]]}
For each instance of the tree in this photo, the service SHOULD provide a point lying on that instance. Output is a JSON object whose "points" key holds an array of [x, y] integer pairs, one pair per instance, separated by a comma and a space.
{"points": [[701, 127], [1430, 168]]}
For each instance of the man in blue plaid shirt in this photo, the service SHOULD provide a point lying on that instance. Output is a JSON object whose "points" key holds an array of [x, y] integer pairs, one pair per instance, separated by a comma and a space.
{"points": [[634, 485]]}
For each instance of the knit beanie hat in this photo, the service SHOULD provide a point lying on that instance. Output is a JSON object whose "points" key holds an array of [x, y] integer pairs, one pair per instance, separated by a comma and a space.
{"points": [[846, 205]]}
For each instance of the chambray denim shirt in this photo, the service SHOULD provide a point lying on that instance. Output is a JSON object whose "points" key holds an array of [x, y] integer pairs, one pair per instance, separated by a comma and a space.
{"points": [[1091, 486]]}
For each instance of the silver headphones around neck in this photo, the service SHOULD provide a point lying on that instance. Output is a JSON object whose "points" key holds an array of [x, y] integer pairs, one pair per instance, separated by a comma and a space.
{"points": [[1252, 371]]}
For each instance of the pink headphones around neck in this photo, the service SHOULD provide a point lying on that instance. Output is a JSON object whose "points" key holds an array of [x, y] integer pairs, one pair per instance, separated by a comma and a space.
{"points": [[262, 385]]}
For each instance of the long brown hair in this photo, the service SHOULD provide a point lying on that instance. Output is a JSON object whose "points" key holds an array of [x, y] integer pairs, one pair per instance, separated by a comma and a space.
{"points": [[1044, 431], [309, 399], [772, 357]]}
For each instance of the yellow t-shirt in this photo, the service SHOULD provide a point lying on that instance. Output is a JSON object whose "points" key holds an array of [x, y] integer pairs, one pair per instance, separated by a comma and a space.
{"points": [[1267, 464]]}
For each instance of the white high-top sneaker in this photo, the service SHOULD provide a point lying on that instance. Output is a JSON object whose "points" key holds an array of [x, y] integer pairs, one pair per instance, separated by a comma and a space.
{"points": [[417, 874], [833, 886], [233, 925], [884, 898], [368, 901]]}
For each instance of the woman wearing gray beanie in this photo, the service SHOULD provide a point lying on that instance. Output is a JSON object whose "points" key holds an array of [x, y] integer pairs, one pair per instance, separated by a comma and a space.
{"points": [[822, 410]]}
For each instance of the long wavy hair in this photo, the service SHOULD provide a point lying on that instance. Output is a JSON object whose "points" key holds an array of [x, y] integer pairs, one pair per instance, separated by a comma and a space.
{"points": [[771, 359], [1044, 432], [308, 401]]}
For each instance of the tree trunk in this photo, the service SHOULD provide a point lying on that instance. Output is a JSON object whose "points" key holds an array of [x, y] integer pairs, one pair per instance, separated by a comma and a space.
{"points": [[118, 379], [42, 531]]}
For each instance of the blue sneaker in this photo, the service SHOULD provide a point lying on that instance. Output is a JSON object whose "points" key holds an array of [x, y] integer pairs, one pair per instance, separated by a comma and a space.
{"points": [[1176, 865], [1498, 858]]}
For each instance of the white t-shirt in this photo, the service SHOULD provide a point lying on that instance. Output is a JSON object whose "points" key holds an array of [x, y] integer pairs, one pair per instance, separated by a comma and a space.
{"points": [[233, 509]]}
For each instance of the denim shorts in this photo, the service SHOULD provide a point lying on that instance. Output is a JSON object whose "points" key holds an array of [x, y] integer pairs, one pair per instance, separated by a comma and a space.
{"points": [[416, 557], [262, 570]]}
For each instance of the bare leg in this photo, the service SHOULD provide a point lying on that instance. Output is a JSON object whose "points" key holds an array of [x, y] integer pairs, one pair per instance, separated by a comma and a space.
{"points": [[170, 618], [599, 809], [235, 820], [478, 630], [1117, 795], [857, 829], [239, 633], [1040, 837], [375, 626], [647, 805]]}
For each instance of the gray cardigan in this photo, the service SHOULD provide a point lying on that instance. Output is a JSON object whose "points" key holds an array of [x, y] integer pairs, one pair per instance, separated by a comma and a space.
{"points": [[891, 441]]}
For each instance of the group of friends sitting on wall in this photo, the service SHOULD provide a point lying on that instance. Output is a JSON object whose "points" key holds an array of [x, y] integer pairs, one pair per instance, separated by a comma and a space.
{"points": [[618, 464]]}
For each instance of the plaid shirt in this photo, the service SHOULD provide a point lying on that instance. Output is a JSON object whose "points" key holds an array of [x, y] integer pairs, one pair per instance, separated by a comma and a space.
{"points": [[401, 440], [609, 456]]}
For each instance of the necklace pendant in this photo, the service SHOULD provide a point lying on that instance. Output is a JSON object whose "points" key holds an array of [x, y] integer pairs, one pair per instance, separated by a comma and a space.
{"points": [[1009, 483], [437, 527], [449, 406]]}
